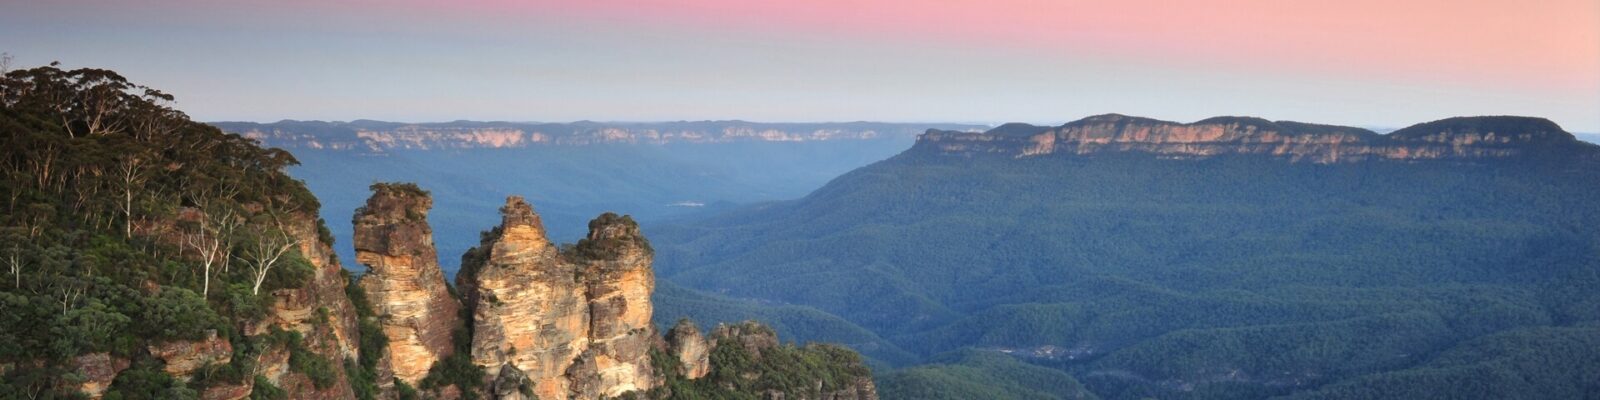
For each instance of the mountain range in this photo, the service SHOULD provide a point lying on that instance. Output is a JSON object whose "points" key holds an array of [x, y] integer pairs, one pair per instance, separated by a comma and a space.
{"points": [[1232, 257], [380, 136]]}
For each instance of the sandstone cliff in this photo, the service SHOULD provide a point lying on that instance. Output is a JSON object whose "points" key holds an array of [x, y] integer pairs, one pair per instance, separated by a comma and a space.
{"points": [[319, 312], [690, 347], [576, 325], [403, 281], [1469, 138], [378, 136]]}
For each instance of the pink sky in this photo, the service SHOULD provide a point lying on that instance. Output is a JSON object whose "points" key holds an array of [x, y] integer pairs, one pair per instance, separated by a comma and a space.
{"points": [[1352, 61], [1545, 44]]}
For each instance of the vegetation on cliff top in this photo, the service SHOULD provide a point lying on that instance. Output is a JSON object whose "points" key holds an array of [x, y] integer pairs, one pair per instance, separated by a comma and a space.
{"points": [[741, 370], [124, 224]]}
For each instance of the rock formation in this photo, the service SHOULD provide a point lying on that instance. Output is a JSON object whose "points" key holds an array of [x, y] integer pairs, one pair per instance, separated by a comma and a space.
{"points": [[403, 281], [692, 350], [301, 310], [576, 325], [182, 359], [1465, 138], [616, 259], [98, 370], [853, 381]]}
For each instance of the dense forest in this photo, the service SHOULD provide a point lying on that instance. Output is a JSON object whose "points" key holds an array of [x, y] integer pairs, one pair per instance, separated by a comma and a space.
{"points": [[1225, 277], [128, 225]]}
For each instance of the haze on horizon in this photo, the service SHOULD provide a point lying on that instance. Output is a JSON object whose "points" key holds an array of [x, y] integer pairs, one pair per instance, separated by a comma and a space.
{"points": [[1361, 62]]}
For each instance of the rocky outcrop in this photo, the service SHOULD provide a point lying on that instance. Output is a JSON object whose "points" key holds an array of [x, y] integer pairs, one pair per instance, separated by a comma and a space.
{"points": [[97, 370], [850, 381], [691, 348], [403, 281], [530, 311], [1468, 138], [183, 358], [752, 336], [616, 259], [576, 324], [511, 384], [319, 310]]}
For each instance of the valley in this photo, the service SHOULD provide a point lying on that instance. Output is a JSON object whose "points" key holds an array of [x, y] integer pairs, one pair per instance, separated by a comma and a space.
{"points": [[1110, 257], [1254, 259], [597, 168]]}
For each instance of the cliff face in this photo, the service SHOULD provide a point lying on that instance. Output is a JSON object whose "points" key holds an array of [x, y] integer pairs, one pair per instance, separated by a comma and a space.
{"points": [[615, 259], [299, 310], [529, 310], [576, 325], [403, 281], [1452, 139], [377, 136], [691, 348]]}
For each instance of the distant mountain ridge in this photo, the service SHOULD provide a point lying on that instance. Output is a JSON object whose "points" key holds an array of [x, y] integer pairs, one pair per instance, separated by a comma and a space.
{"points": [[1460, 138], [380, 136], [1230, 258]]}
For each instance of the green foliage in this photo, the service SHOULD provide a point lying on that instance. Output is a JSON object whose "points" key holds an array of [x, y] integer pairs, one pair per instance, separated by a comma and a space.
{"points": [[974, 374], [407, 189], [180, 313], [263, 389], [1540, 362], [1230, 277], [458, 369], [362, 381], [737, 373], [363, 374], [610, 246], [302, 360], [105, 194], [404, 391], [146, 380]]}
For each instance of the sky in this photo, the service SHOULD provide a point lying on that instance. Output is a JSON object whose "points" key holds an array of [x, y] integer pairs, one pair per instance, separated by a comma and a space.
{"points": [[1379, 63]]}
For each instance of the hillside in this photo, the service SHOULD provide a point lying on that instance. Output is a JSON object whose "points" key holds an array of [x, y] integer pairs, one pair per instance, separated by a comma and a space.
{"points": [[149, 256], [1226, 258]]}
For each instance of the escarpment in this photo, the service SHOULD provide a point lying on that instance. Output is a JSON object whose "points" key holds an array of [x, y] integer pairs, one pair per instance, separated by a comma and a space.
{"points": [[1465, 138], [576, 324], [403, 281], [156, 257]]}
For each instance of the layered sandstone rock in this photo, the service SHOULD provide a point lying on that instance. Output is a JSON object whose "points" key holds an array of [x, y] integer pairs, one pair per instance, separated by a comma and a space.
{"points": [[98, 370], [575, 325], [183, 358], [691, 348], [530, 310], [403, 281], [1454, 139], [616, 260], [320, 311]]}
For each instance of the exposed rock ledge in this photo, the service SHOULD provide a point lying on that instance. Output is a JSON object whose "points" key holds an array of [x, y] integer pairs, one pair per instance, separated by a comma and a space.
{"points": [[1465, 138]]}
